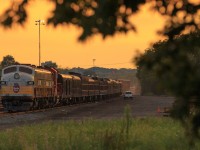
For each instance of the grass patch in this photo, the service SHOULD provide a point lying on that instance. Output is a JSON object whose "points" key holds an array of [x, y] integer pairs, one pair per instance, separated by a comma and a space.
{"points": [[121, 134]]}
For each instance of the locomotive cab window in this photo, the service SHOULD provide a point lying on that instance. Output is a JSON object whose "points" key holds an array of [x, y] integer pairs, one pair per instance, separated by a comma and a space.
{"points": [[25, 70], [10, 70]]}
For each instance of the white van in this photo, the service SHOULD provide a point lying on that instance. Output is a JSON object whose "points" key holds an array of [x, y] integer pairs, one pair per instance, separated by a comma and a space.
{"points": [[128, 94]]}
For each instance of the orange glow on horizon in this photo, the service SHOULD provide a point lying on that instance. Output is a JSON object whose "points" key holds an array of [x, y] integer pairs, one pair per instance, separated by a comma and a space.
{"points": [[60, 44]]}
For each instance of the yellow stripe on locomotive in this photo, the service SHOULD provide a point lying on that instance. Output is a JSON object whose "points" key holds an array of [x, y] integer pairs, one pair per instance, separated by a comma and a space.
{"points": [[23, 91]]}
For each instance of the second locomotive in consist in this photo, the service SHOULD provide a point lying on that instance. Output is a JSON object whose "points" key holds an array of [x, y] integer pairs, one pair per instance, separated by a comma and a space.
{"points": [[26, 87]]}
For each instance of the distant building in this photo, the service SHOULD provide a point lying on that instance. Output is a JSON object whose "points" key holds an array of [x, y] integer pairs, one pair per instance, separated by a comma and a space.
{"points": [[126, 84]]}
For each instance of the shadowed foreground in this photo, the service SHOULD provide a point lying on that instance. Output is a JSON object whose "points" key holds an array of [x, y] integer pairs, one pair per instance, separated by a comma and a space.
{"points": [[126, 133]]}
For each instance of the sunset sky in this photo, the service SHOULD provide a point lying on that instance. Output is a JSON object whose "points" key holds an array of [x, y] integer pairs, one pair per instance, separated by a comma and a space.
{"points": [[60, 44]]}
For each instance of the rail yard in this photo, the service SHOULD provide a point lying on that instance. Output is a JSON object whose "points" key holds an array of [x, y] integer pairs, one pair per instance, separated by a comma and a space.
{"points": [[31, 94], [141, 106]]}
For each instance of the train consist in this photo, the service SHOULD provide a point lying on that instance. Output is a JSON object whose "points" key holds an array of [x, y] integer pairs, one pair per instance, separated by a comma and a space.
{"points": [[27, 87]]}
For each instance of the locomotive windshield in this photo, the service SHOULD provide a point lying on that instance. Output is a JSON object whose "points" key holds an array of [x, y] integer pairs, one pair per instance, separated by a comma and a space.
{"points": [[25, 70], [10, 69]]}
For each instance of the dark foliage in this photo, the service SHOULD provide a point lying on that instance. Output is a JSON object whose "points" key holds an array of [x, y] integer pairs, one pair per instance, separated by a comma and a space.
{"points": [[176, 63], [182, 14], [8, 60], [16, 13], [105, 17], [50, 64], [108, 17], [150, 84]]}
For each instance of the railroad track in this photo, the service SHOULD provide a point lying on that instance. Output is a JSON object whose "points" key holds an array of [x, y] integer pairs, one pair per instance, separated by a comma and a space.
{"points": [[4, 113]]}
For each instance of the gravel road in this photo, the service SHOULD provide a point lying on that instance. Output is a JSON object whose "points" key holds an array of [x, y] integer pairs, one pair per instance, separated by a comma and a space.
{"points": [[141, 106]]}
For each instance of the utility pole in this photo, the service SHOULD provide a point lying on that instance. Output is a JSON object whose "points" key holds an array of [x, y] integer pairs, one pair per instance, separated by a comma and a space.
{"points": [[39, 22], [94, 62]]}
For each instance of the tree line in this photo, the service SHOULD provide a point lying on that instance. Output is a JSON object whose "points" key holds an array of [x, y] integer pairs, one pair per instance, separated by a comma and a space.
{"points": [[174, 67], [7, 60]]}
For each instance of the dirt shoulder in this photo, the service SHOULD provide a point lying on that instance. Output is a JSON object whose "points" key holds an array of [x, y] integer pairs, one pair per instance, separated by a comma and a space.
{"points": [[141, 106]]}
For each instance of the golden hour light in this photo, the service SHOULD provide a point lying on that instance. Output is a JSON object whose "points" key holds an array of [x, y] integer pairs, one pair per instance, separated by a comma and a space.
{"points": [[100, 74], [60, 44]]}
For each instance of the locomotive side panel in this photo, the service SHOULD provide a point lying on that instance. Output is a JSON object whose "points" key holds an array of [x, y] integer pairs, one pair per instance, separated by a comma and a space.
{"points": [[103, 88], [65, 86], [97, 87], [85, 86], [71, 88], [76, 86], [91, 89], [43, 84]]}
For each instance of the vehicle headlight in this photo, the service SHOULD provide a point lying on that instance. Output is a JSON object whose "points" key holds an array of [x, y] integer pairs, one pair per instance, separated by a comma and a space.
{"points": [[16, 76], [2, 82], [30, 82]]}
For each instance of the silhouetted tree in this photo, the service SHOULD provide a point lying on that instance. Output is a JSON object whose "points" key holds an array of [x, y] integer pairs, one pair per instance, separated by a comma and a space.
{"points": [[50, 64], [107, 17], [8, 60], [182, 15], [150, 84], [177, 67]]}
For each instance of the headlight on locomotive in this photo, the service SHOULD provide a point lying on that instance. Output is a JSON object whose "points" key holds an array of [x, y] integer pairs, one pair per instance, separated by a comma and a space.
{"points": [[30, 82], [2, 82]]}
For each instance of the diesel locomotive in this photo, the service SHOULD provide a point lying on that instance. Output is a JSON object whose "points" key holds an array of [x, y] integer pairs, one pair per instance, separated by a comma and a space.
{"points": [[26, 87]]}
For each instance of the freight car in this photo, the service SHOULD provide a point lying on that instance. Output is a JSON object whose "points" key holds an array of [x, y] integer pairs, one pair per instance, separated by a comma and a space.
{"points": [[26, 87]]}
